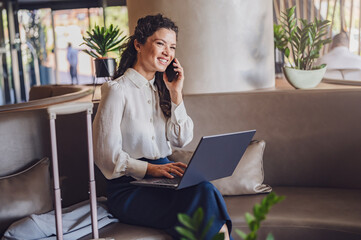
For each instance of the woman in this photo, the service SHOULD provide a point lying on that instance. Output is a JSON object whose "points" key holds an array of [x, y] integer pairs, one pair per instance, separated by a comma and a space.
{"points": [[140, 116]]}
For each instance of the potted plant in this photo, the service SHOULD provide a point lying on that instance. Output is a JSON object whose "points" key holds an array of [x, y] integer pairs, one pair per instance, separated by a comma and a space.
{"points": [[301, 46], [101, 41]]}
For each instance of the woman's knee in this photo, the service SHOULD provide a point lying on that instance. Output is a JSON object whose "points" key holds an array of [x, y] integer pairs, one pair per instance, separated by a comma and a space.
{"points": [[206, 187]]}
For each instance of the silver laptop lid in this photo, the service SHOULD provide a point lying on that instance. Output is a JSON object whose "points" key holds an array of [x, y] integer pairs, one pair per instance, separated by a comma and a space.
{"points": [[216, 157]]}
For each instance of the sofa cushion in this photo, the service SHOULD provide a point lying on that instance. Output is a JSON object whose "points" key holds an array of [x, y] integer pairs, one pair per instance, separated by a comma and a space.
{"points": [[305, 213], [181, 156], [248, 175], [25, 193]]}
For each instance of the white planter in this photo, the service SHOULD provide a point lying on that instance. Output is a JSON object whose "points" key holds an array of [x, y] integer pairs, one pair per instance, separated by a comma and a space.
{"points": [[303, 79]]}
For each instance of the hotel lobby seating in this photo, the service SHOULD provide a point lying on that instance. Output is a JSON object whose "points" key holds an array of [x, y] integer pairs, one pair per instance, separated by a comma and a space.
{"points": [[312, 157], [45, 95]]}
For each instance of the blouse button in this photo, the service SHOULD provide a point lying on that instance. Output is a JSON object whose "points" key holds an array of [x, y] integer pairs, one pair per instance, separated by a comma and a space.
{"points": [[151, 120], [153, 137], [149, 101]]}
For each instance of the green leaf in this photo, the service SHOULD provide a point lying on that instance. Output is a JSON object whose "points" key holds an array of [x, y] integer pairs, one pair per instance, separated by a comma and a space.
{"points": [[241, 234], [291, 11], [287, 52], [257, 210], [254, 226], [319, 67], [206, 229], [270, 237], [116, 43], [198, 218], [327, 41], [249, 217], [185, 232], [252, 236], [186, 221], [320, 36], [304, 22], [218, 236], [90, 53]]}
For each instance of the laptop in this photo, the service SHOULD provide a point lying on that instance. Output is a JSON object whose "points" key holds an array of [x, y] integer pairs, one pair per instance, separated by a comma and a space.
{"points": [[215, 157]]}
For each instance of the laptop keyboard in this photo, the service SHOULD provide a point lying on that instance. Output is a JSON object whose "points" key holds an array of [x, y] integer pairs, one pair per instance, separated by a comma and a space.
{"points": [[168, 180]]}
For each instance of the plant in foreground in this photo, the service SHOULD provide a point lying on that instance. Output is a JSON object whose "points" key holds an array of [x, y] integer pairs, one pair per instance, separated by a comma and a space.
{"points": [[259, 214], [191, 229]]}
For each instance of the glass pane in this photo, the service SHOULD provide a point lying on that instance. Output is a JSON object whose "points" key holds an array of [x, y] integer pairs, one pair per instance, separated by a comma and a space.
{"points": [[9, 92], [36, 45]]}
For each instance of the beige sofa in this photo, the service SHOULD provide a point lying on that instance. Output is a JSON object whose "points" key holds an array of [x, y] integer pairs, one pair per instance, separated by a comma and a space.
{"points": [[313, 157]]}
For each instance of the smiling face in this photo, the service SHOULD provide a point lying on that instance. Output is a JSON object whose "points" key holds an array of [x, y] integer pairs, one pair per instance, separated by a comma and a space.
{"points": [[156, 54]]}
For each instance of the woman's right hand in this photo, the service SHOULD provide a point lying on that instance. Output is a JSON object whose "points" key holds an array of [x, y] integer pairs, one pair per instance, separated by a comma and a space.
{"points": [[165, 170]]}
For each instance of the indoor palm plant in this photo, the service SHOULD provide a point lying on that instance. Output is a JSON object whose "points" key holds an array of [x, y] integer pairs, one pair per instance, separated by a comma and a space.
{"points": [[301, 41], [101, 41]]}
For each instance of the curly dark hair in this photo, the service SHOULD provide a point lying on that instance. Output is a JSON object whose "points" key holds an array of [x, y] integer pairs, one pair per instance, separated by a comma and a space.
{"points": [[145, 28]]}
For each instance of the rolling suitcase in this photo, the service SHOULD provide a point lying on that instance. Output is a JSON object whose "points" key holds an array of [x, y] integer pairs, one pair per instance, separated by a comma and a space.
{"points": [[63, 109]]}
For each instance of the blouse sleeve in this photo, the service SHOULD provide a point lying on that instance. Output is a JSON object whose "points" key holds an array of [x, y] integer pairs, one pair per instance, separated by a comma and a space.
{"points": [[179, 126], [108, 153]]}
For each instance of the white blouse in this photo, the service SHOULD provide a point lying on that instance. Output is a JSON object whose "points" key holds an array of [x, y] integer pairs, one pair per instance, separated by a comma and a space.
{"points": [[130, 124]]}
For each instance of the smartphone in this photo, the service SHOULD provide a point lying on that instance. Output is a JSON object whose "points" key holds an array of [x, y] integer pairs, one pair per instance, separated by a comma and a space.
{"points": [[171, 74]]}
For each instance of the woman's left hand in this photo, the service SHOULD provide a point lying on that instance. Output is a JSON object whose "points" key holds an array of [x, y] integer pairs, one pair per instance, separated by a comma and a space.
{"points": [[165, 170], [176, 86]]}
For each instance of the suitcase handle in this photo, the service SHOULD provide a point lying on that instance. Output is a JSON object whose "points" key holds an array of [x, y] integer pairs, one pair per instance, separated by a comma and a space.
{"points": [[70, 108], [63, 109]]}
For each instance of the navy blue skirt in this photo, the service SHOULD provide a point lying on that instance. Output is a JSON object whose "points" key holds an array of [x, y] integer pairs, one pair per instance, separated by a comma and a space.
{"points": [[159, 207]]}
